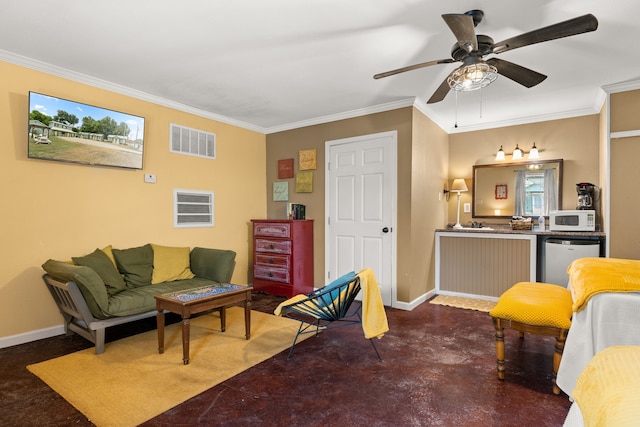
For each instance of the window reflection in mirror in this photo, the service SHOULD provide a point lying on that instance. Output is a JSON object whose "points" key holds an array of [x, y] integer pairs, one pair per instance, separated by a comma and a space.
{"points": [[534, 194], [523, 188]]}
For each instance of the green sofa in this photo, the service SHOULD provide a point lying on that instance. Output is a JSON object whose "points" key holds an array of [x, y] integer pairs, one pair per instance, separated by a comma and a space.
{"points": [[112, 286]]}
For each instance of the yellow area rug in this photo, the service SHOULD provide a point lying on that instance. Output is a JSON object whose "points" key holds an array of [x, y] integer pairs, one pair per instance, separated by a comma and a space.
{"points": [[462, 302], [131, 383]]}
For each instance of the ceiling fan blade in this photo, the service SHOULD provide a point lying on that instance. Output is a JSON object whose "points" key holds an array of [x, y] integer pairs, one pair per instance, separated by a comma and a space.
{"points": [[463, 28], [571, 27], [413, 67], [440, 93], [517, 73]]}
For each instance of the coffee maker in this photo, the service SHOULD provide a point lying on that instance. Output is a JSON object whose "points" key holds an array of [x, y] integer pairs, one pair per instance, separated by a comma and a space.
{"points": [[586, 192]]}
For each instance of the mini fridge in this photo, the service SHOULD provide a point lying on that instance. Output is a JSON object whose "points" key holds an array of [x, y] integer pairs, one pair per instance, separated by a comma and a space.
{"points": [[559, 253]]}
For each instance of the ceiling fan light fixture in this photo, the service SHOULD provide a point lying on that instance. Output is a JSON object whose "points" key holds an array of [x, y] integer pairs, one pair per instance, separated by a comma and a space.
{"points": [[471, 77]]}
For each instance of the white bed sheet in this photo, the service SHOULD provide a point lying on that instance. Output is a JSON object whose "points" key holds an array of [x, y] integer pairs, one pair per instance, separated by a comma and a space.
{"points": [[608, 319], [574, 417]]}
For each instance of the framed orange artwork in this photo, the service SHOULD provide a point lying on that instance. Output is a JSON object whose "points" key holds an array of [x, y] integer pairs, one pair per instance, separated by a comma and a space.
{"points": [[285, 168], [307, 159]]}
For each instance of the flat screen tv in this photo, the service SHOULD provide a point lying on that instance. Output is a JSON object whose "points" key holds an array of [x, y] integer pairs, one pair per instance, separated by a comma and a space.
{"points": [[69, 131]]}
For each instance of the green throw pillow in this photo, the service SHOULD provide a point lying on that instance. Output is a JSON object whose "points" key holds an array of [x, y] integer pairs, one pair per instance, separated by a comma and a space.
{"points": [[136, 264], [99, 262]]}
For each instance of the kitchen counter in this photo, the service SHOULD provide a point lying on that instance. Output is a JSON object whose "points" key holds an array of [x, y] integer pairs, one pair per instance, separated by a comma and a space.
{"points": [[506, 229], [487, 261]]}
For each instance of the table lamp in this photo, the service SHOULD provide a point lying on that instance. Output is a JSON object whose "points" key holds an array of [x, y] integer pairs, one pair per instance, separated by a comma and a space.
{"points": [[458, 185]]}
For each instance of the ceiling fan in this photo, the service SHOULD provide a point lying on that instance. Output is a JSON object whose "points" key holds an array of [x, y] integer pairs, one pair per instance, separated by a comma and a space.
{"points": [[475, 71]]}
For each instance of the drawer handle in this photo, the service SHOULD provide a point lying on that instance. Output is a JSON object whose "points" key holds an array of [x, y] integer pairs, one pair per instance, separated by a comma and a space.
{"points": [[271, 261], [271, 246], [270, 274]]}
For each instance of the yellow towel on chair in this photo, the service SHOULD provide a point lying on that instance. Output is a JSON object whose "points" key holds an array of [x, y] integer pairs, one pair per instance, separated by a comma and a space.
{"points": [[292, 300], [374, 318]]}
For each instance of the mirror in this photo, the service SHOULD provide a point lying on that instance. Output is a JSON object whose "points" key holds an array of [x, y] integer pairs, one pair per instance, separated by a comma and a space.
{"points": [[494, 193]]}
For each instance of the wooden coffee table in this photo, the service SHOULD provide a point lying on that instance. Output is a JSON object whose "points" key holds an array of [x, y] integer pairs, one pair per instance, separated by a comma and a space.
{"points": [[198, 300]]}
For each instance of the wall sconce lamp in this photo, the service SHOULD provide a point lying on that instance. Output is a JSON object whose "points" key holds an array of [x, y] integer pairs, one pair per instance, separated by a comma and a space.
{"points": [[459, 186], [518, 154]]}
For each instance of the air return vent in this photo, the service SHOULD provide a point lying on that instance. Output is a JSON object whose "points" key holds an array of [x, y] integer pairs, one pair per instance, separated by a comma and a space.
{"points": [[192, 209], [193, 142]]}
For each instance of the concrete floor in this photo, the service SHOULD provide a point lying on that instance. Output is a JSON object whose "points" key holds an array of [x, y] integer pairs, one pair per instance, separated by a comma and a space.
{"points": [[439, 368]]}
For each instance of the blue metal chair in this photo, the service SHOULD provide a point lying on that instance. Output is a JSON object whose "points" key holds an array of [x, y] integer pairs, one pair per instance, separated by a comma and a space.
{"points": [[327, 308]]}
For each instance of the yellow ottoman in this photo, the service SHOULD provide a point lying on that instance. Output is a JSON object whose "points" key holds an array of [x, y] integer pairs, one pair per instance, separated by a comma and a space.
{"points": [[536, 308]]}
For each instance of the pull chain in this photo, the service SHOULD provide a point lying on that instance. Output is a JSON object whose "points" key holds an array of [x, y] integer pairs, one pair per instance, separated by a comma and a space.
{"points": [[456, 123]]}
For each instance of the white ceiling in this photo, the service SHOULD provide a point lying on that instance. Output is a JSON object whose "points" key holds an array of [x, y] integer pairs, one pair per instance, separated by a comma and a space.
{"points": [[280, 64]]}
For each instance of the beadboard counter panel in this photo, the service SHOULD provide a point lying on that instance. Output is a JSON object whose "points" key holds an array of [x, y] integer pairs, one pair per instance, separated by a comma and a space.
{"points": [[483, 264]]}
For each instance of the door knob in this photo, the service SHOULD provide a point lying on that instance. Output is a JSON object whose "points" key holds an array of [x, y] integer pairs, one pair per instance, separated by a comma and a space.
{"points": [[385, 230]]}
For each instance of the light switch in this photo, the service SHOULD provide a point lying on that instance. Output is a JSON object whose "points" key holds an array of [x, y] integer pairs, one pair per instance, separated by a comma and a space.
{"points": [[467, 207], [150, 178]]}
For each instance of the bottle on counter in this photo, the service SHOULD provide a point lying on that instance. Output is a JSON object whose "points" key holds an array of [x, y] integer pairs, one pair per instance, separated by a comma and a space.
{"points": [[541, 222]]}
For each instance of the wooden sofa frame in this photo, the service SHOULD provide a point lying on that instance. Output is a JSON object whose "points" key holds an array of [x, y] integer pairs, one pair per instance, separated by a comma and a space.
{"points": [[78, 317]]}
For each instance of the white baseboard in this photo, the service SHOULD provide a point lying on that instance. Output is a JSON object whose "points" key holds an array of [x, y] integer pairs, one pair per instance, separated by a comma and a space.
{"points": [[31, 336], [416, 302], [59, 330]]}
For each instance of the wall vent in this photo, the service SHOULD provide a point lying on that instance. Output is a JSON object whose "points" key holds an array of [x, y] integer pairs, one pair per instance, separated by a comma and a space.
{"points": [[192, 209], [193, 142]]}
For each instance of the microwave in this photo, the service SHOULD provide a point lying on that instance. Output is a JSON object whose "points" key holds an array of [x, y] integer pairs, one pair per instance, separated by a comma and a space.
{"points": [[572, 220]]}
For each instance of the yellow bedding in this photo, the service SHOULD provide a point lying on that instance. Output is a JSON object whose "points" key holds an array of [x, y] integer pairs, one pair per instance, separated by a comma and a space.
{"points": [[592, 276], [607, 390]]}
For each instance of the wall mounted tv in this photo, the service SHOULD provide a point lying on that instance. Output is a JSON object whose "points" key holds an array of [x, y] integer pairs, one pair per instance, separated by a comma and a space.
{"points": [[70, 131]]}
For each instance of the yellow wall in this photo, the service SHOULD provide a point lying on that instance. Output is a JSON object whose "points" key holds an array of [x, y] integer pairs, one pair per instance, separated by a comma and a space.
{"points": [[576, 140], [429, 171], [58, 210], [415, 139]]}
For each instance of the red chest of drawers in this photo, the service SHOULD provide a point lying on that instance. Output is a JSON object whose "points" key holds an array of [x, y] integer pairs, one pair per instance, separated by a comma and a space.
{"points": [[283, 256]]}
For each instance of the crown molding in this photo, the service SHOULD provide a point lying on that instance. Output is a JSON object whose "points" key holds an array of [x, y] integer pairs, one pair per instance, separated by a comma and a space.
{"points": [[44, 67], [407, 102], [594, 109], [622, 86]]}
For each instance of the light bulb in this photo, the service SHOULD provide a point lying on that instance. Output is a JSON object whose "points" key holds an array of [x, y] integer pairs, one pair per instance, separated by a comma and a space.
{"points": [[517, 153]]}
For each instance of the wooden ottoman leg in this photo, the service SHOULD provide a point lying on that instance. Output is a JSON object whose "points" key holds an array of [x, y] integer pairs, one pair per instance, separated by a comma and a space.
{"points": [[557, 356], [499, 346]]}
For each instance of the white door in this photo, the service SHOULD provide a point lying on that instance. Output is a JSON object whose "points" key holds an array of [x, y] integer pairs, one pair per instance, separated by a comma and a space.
{"points": [[360, 191]]}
